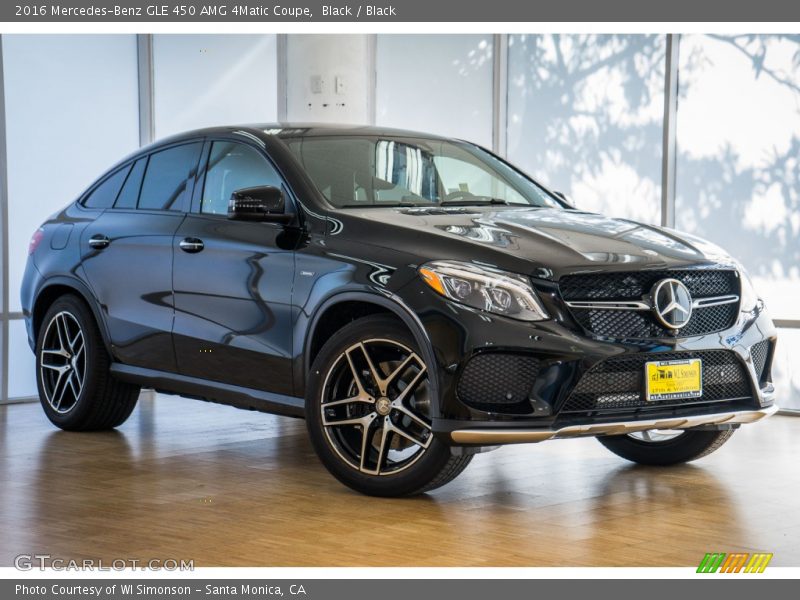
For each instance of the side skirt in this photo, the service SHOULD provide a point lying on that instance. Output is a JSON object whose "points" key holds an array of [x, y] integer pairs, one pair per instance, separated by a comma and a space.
{"points": [[210, 391]]}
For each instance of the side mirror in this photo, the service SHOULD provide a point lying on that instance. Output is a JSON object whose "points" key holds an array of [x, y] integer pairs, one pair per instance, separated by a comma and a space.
{"points": [[262, 203], [564, 197]]}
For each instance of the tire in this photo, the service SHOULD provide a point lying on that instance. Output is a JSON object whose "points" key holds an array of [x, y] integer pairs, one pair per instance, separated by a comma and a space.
{"points": [[75, 386], [379, 442], [687, 446]]}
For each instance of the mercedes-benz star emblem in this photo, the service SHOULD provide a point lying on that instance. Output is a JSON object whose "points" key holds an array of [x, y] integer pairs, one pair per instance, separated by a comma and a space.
{"points": [[672, 303]]}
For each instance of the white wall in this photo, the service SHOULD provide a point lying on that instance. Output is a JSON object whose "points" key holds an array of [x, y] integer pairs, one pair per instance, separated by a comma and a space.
{"points": [[737, 168], [207, 80], [437, 84], [71, 111], [328, 58], [738, 144], [585, 116]]}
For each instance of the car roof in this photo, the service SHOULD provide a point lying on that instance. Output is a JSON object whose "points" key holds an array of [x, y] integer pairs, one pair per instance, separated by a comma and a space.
{"points": [[268, 133], [293, 131]]}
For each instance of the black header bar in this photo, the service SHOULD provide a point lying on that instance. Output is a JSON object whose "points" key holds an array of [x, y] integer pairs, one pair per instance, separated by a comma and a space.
{"points": [[440, 11]]}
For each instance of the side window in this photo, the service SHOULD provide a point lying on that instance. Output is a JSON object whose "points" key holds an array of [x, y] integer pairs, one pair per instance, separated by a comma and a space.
{"points": [[165, 179], [129, 195], [103, 195], [233, 166]]}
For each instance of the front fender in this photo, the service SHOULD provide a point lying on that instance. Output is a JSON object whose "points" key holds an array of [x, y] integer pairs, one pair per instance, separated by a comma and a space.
{"points": [[386, 300]]}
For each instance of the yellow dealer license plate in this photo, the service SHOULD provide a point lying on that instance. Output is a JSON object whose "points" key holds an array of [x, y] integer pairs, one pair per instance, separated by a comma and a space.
{"points": [[673, 379]]}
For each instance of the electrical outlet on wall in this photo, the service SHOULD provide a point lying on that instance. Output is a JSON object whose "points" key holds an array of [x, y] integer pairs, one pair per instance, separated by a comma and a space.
{"points": [[317, 84]]}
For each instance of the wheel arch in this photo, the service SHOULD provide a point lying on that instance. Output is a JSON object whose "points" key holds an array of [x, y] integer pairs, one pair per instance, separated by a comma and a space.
{"points": [[343, 306], [55, 287]]}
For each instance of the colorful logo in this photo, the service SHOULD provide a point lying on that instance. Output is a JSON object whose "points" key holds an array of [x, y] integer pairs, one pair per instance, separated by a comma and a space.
{"points": [[738, 562]]}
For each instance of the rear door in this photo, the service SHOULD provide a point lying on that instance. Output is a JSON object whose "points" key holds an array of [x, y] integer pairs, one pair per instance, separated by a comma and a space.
{"points": [[233, 280], [127, 255]]}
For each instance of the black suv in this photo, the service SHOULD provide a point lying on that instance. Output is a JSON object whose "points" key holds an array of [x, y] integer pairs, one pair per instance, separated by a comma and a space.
{"points": [[417, 299]]}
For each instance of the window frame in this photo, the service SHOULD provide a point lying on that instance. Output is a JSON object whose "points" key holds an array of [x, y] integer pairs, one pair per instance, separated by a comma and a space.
{"points": [[190, 179], [287, 140], [81, 202], [143, 160], [200, 180]]}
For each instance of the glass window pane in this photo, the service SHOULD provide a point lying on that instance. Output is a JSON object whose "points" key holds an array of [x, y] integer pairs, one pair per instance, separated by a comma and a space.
{"points": [[104, 194], [585, 116], [168, 171], [232, 167], [450, 75], [210, 79], [382, 170], [21, 362], [72, 110], [129, 195], [738, 135], [785, 370], [460, 177]]}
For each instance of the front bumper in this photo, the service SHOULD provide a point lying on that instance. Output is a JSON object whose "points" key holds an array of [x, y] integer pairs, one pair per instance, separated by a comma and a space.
{"points": [[492, 437], [566, 356]]}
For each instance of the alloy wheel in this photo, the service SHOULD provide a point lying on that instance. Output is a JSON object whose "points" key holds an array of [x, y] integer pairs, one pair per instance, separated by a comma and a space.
{"points": [[376, 407], [62, 362], [654, 436]]}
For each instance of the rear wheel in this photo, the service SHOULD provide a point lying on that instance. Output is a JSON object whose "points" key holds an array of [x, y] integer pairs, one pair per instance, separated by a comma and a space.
{"points": [[76, 388], [665, 447], [368, 412]]}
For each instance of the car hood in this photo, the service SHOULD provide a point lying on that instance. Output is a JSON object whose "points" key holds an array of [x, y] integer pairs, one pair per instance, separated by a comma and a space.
{"points": [[550, 241]]}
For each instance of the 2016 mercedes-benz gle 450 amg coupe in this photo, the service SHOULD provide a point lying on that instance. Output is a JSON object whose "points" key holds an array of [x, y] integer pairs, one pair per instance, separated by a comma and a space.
{"points": [[417, 299]]}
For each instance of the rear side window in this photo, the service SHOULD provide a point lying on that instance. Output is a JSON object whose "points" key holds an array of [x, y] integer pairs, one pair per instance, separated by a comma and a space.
{"points": [[166, 176], [103, 195], [129, 195]]}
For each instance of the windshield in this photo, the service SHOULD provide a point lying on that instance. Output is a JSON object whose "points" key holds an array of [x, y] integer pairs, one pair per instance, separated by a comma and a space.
{"points": [[367, 171]]}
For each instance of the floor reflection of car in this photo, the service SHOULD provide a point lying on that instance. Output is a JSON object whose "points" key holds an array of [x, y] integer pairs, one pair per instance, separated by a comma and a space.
{"points": [[415, 298]]}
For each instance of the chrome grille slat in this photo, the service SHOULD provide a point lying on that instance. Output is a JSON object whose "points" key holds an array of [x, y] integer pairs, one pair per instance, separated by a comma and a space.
{"points": [[618, 306]]}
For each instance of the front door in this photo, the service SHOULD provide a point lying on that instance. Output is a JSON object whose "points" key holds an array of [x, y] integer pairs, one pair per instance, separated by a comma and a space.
{"points": [[233, 281]]}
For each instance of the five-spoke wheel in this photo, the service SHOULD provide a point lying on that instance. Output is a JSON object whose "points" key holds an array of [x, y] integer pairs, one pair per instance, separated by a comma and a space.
{"points": [[375, 407], [76, 388], [62, 362], [369, 409], [655, 436], [665, 446]]}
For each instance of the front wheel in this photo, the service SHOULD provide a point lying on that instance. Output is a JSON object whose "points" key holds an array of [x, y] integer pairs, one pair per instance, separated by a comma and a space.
{"points": [[664, 448], [368, 412]]}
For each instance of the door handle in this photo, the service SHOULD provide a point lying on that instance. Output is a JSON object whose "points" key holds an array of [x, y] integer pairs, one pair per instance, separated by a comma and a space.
{"points": [[99, 241], [191, 245]]}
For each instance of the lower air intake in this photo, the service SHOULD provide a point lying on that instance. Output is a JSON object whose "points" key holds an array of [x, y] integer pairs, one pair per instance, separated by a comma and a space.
{"points": [[618, 383], [759, 353], [498, 382]]}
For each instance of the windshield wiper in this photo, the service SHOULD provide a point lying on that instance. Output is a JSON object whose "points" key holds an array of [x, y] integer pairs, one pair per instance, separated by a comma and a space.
{"points": [[473, 201], [477, 201], [387, 205]]}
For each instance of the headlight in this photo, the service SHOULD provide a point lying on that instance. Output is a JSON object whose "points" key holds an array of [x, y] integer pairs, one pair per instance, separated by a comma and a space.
{"points": [[749, 295], [483, 288]]}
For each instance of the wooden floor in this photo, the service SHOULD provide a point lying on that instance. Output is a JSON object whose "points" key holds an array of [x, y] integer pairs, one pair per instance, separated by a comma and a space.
{"points": [[185, 479]]}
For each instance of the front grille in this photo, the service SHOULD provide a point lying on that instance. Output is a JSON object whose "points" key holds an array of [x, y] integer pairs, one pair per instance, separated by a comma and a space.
{"points": [[498, 382], [701, 283], [759, 353], [642, 324], [618, 382]]}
